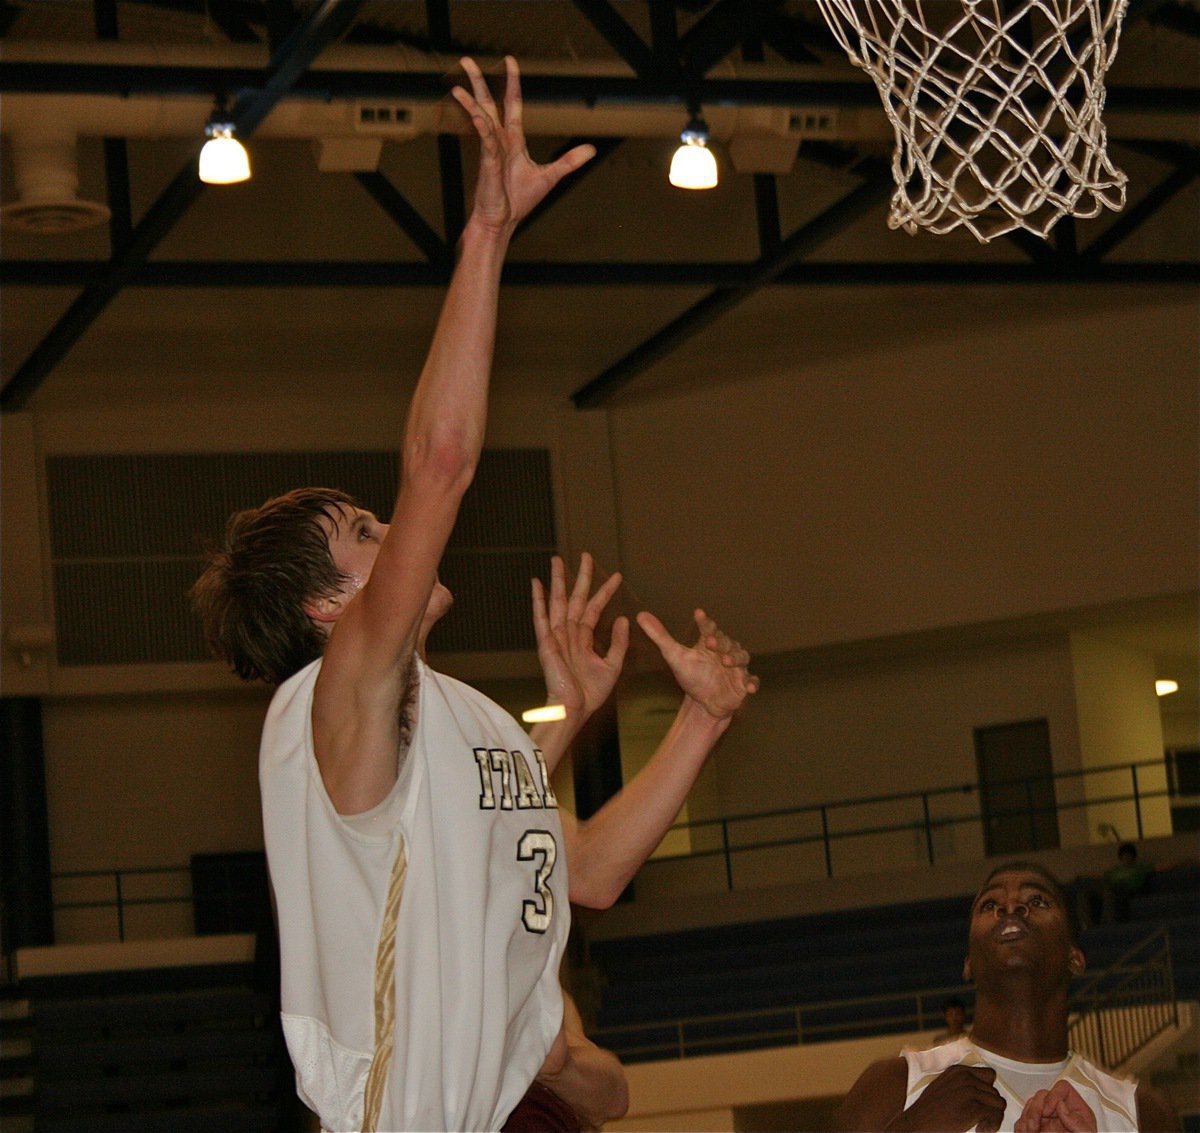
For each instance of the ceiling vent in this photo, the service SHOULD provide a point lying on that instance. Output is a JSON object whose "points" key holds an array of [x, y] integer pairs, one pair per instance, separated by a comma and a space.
{"points": [[47, 179]]}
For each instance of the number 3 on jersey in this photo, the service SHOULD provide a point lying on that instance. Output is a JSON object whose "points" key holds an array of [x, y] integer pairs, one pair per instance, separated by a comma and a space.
{"points": [[538, 845]]}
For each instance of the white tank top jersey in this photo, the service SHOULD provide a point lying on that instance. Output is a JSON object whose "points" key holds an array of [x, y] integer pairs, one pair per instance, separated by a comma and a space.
{"points": [[1113, 1100], [420, 942]]}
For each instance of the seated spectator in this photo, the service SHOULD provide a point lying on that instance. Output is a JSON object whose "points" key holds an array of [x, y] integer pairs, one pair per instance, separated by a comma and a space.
{"points": [[955, 1015], [1126, 880]]}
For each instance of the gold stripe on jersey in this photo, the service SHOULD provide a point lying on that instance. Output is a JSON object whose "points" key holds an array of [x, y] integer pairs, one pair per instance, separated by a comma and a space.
{"points": [[1077, 1074], [385, 996]]}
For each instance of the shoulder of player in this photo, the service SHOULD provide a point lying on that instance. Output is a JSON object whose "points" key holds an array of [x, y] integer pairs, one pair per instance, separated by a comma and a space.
{"points": [[356, 732], [1155, 1114], [876, 1097]]}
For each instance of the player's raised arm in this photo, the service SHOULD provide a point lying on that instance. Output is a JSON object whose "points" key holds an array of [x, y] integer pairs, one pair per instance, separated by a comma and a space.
{"points": [[378, 617]]}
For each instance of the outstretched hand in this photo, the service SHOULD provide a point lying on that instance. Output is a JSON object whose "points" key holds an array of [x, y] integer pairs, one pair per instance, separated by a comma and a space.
{"points": [[577, 677], [510, 183], [713, 672]]}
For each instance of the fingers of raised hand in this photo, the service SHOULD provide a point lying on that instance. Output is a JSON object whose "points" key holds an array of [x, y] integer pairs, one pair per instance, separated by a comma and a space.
{"points": [[479, 88], [618, 643], [570, 161], [579, 593], [656, 632], [558, 591], [541, 620], [598, 601], [513, 102]]}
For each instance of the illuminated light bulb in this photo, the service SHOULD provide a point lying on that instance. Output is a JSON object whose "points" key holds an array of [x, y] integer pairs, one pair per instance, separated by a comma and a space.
{"points": [[223, 160], [694, 166]]}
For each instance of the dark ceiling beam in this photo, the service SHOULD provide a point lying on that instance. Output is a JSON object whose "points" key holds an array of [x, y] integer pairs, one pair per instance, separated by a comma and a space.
{"points": [[604, 147], [664, 37], [601, 389], [104, 16], [228, 16], [8, 15], [236, 18], [1175, 17], [766, 214], [619, 35], [161, 274], [407, 218], [1187, 167], [797, 40], [1165, 14], [450, 168], [724, 27], [586, 90], [437, 21], [116, 149], [117, 191], [323, 24], [1066, 239]]}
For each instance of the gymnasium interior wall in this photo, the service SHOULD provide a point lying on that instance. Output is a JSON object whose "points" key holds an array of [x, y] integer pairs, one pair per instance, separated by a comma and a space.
{"points": [[893, 532]]}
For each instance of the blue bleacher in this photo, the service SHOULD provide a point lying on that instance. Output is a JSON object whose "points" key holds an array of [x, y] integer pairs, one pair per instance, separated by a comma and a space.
{"points": [[777, 977]]}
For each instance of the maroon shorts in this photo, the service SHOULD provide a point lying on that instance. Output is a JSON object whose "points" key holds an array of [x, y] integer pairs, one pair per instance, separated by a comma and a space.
{"points": [[541, 1111]]}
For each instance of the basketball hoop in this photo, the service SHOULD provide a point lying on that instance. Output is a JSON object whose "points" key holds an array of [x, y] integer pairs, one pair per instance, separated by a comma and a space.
{"points": [[996, 106]]}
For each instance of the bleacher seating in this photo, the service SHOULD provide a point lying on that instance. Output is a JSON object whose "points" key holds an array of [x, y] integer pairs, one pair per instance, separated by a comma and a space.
{"points": [[834, 975], [179, 1049], [864, 959]]}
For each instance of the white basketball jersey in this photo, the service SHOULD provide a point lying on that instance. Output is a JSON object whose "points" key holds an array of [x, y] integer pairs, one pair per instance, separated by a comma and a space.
{"points": [[420, 942], [1112, 1100]]}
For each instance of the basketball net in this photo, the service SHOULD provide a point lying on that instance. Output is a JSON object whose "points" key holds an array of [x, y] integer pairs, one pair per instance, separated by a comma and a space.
{"points": [[996, 106]]}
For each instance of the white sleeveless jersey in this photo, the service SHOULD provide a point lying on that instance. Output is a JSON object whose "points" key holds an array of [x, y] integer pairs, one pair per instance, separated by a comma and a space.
{"points": [[1113, 1100], [420, 942]]}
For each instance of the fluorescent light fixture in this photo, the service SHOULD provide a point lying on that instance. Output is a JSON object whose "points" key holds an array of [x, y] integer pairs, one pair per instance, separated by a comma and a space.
{"points": [[1166, 687], [693, 166], [223, 160], [547, 714]]}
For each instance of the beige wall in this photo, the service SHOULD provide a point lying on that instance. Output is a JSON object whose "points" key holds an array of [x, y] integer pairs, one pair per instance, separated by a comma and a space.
{"points": [[1119, 721], [146, 781], [967, 479], [876, 729], [962, 480]]}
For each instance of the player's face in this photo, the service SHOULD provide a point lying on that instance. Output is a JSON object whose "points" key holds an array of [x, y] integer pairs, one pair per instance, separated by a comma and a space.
{"points": [[1018, 922], [355, 537]]}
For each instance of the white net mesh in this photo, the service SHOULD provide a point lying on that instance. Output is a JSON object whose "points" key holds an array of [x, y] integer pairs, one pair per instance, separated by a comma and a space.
{"points": [[996, 106]]}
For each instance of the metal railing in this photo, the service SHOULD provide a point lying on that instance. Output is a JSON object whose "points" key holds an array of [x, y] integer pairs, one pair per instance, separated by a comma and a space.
{"points": [[834, 824], [926, 814], [786, 1025], [1115, 1014], [1127, 1005]]}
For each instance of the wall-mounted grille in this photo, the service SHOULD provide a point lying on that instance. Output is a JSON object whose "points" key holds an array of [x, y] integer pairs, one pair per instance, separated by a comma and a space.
{"points": [[128, 532]]}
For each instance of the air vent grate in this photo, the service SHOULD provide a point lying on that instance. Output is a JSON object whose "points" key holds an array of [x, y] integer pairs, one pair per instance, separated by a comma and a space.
{"points": [[127, 535]]}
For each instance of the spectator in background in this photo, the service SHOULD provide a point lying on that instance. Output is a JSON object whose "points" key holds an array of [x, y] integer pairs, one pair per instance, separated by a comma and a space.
{"points": [[1124, 881], [1107, 898], [955, 1015]]}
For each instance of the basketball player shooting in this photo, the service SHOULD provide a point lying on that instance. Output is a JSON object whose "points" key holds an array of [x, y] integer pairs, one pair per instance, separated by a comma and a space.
{"points": [[418, 860]]}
